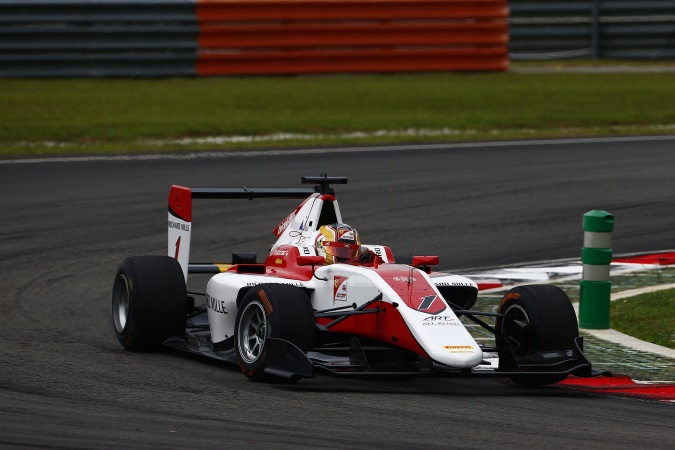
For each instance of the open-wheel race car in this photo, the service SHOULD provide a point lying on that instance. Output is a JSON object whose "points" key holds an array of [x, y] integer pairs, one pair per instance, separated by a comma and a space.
{"points": [[323, 301]]}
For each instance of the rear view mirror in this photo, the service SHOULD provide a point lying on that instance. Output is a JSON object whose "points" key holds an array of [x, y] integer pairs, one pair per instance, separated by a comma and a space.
{"points": [[418, 261]]}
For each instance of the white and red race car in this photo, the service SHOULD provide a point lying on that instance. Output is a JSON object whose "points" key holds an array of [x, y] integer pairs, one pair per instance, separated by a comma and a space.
{"points": [[293, 314]]}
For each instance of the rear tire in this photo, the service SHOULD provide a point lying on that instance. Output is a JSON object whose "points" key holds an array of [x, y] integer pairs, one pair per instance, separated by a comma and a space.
{"points": [[271, 310], [149, 302], [553, 322]]}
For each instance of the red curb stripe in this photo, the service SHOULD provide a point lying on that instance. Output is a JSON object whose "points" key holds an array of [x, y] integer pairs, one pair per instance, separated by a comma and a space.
{"points": [[488, 284], [661, 259], [623, 386]]}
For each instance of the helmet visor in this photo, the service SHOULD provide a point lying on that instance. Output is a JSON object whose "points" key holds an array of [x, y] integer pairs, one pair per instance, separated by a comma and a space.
{"points": [[342, 250]]}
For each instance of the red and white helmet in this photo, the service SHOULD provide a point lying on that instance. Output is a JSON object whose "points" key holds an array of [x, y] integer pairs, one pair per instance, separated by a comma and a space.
{"points": [[338, 242]]}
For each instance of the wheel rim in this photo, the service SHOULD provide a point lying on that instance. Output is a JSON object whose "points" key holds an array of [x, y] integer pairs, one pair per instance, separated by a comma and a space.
{"points": [[253, 330], [520, 347], [121, 303]]}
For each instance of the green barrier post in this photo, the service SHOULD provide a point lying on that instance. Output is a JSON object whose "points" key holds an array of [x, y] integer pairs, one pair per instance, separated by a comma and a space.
{"points": [[596, 257]]}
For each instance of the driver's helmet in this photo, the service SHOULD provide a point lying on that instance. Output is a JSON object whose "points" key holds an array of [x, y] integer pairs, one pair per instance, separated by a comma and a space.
{"points": [[338, 242]]}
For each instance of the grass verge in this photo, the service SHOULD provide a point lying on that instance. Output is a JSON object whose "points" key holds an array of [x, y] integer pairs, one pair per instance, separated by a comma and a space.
{"points": [[78, 116], [648, 317]]}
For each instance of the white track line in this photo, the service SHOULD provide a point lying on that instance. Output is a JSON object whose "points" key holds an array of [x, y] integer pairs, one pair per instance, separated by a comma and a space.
{"points": [[387, 148]]}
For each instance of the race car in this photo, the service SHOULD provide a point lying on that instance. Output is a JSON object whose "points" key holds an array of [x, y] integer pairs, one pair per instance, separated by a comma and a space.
{"points": [[323, 301]]}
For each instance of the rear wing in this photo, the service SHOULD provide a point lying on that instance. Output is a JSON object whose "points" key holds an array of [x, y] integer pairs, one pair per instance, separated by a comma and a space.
{"points": [[180, 207]]}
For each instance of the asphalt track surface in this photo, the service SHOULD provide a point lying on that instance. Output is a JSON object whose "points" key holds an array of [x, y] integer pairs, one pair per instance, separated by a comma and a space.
{"points": [[65, 382]]}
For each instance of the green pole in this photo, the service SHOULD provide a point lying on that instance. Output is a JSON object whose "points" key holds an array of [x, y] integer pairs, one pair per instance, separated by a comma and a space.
{"points": [[596, 257]]}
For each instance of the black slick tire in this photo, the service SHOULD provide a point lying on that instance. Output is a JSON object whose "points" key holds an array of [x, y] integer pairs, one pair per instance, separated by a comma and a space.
{"points": [[553, 325], [149, 302], [271, 310]]}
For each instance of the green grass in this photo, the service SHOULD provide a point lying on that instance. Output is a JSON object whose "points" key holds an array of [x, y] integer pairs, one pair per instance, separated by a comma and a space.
{"points": [[649, 317], [122, 115]]}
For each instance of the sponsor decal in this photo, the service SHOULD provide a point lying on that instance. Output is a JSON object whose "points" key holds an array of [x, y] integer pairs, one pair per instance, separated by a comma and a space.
{"points": [[179, 226], [404, 279], [290, 218], [338, 244], [256, 283], [431, 304], [344, 233], [340, 288], [300, 240], [447, 321], [454, 283], [283, 225], [216, 305], [512, 295], [265, 301], [458, 348]]}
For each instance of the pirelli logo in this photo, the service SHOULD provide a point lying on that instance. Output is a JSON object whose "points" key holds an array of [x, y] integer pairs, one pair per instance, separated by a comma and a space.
{"points": [[458, 348]]}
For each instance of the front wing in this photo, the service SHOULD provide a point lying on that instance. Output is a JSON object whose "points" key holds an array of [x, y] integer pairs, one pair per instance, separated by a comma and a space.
{"points": [[371, 359]]}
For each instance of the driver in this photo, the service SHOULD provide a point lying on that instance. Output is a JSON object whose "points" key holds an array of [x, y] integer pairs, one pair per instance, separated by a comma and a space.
{"points": [[338, 242]]}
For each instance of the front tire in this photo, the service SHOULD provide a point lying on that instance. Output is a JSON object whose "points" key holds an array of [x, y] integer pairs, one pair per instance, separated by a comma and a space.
{"points": [[552, 325], [271, 311], [149, 302]]}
